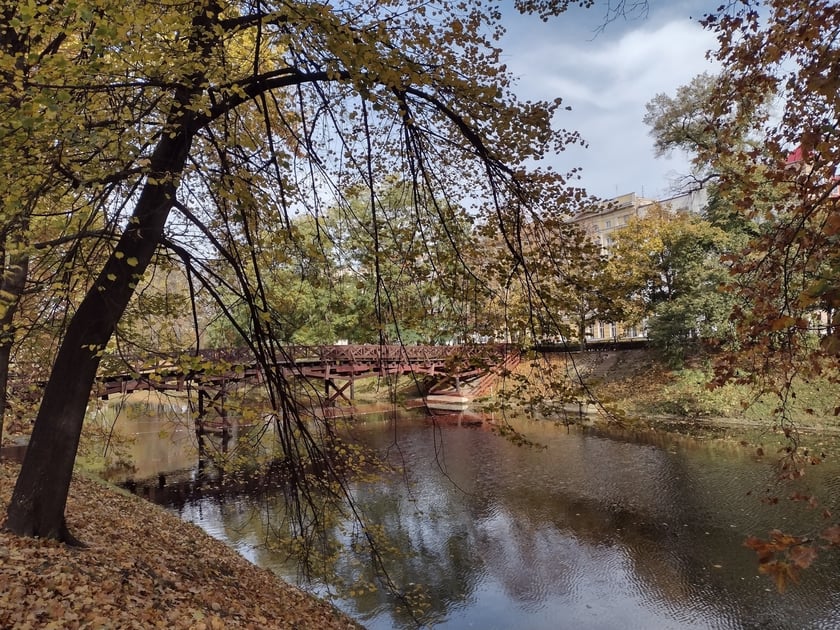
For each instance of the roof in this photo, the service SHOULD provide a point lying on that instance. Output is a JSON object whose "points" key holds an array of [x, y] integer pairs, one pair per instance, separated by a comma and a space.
{"points": [[795, 156]]}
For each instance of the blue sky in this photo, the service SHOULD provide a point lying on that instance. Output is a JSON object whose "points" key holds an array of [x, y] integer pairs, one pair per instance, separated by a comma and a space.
{"points": [[607, 78]]}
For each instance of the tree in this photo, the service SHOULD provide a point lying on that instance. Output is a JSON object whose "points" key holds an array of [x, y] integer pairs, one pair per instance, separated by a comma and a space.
{"points": [[409, 271], [590, 298], [325, 277], [686, 122], [197, 127], [683, 122], [668, 268], [790, 270], [572, 283]]}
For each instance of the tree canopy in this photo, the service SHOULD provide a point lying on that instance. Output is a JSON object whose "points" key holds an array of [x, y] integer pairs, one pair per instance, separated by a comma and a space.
{"points": [[135, 135], [786, 183], [667, 267]]}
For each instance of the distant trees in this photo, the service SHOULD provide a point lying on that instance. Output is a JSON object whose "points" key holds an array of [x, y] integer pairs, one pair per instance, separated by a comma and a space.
{"points": [[696, 294], [588, 290], [408, 273], [546, 283], [335, 278]]}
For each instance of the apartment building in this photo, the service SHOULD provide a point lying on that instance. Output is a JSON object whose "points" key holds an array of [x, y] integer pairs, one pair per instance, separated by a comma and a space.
{"points": [[603, 220]]}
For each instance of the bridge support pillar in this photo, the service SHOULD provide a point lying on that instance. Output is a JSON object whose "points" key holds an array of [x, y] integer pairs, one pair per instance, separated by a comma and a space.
{"points": [[208, 400], [338, 392]]}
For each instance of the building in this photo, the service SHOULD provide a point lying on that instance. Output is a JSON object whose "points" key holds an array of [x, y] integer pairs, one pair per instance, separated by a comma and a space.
{"points": [[602, 220]]}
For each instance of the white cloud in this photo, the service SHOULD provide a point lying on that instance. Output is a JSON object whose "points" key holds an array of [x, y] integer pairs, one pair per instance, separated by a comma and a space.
{"points": [[607, 81]]}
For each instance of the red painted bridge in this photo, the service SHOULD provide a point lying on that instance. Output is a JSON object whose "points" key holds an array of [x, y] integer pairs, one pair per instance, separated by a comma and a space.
{"points": [[338, 367]]}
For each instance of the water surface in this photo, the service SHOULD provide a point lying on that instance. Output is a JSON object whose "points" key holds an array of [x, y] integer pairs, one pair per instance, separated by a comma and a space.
{"points": [[591, 530]]}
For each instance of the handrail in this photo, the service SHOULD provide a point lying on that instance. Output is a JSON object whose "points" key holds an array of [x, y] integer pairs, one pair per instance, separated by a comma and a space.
{"points": [[297, 354]]}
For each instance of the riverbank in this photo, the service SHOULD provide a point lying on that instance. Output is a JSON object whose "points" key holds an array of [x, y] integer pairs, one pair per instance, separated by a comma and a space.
{"points": [[143, 568], [637, 385]]}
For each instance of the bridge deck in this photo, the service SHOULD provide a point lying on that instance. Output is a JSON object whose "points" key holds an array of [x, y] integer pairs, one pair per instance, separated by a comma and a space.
{"points": [[337, 366]]}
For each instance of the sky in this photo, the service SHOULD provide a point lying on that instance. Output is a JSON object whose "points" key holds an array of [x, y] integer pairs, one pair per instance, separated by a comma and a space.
{"points": [[607, 78]]}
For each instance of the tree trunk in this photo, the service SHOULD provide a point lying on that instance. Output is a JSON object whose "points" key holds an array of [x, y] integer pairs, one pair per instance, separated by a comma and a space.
{"points": [[5, 354], [40, 494], [14, 280], [582, 331]]}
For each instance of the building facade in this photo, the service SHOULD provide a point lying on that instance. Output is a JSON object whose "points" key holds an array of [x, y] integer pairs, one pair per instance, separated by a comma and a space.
{"points": [[601, 221]]}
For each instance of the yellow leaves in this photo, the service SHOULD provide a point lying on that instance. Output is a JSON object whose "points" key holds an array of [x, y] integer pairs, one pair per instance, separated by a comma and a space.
{"points": [[781, 573]]}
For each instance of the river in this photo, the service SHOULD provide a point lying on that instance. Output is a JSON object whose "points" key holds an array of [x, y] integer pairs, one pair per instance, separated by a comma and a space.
{"points": [[587, 530]]}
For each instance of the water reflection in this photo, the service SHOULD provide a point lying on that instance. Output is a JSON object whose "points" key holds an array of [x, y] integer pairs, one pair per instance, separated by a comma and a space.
{"points": [[593, 531], [153, 434], [149, 435]]}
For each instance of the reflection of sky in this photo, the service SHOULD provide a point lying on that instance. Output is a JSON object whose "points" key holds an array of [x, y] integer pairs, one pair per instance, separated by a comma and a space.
{"points": [[210, 517], [589, 533]]}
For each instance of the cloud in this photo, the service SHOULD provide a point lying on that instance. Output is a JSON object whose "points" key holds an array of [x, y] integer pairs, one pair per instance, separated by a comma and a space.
{"points": [[607, 81]]}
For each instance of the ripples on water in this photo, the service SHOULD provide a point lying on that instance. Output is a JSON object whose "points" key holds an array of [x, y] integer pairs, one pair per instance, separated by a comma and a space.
{"points": [[593, 531]]}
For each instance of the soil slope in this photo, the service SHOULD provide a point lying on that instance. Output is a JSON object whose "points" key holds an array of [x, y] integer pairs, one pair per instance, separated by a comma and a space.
{"points": [[143, 568]]}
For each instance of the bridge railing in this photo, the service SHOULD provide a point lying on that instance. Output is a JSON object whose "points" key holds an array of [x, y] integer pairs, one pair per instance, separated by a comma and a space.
{"points": [[370, 353], [298, 354]]}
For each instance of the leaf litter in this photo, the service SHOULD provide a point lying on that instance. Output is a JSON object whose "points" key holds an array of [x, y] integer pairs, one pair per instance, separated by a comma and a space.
{"points": [[142, 568]]}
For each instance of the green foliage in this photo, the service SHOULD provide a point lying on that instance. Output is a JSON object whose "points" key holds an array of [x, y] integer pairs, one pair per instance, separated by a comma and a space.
{"points": [[668, 268], [682, 121], [686, 393]]}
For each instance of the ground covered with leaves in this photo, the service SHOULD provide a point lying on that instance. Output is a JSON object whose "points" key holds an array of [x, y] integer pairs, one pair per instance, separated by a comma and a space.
{"points": [[142, 568]]}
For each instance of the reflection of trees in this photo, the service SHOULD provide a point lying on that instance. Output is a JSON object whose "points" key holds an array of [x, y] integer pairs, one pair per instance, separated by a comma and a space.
{"points": [[152, 433], [551, 525], [672, 515]]}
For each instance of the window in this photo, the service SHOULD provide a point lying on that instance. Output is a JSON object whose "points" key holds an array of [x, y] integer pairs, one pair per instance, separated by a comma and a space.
{"points": [[609, 224]]}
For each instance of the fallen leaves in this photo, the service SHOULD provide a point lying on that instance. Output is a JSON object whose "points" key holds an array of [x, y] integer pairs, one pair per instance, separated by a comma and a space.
{"points": [[143, 568], [783, 556]]}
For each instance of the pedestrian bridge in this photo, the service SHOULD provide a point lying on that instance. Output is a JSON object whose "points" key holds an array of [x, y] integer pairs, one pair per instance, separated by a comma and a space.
{"points": [[337, 367]]}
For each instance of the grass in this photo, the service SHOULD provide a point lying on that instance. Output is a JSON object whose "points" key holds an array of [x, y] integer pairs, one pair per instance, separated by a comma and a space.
{"points": [[642, 386]]}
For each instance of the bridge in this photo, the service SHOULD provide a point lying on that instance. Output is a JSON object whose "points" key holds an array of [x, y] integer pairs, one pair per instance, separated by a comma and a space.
{"points": [[213, 373]]}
